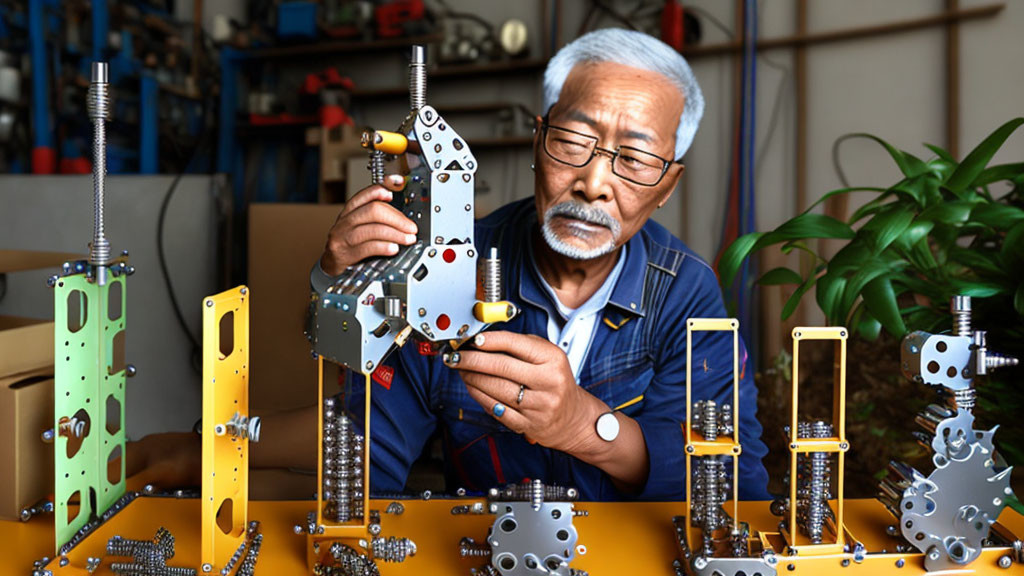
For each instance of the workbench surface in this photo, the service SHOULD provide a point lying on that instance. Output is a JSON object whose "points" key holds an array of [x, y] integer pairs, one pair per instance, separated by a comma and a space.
{"points": [[620, 538]]}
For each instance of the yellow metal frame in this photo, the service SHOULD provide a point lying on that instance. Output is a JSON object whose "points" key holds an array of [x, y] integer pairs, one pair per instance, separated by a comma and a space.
{"points": [[225, 457], [696, 445], [354, 528], [797, 542]]}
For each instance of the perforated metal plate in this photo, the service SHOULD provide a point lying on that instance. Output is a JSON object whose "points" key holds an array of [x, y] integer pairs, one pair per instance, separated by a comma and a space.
{"points": [[225, 456], [89, 380]]}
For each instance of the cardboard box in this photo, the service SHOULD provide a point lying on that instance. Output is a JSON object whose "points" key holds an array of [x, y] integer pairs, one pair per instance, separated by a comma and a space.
{"points": [[26, 462], [285, 240], [25, 344]]}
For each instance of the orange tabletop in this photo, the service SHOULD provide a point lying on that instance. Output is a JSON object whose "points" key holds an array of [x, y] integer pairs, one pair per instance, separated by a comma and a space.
{"points": [[620, 538]]}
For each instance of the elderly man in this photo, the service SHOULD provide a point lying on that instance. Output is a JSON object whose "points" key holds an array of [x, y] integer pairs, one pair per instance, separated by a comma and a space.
{"points": [[587, 386]]}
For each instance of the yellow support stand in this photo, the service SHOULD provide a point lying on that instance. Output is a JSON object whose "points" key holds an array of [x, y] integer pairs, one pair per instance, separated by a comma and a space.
{"points": [[797, 542], [696, 444], [226, 426]]}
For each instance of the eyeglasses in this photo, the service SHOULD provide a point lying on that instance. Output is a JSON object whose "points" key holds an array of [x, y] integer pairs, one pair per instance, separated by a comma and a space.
{"points": [[577, 150]]}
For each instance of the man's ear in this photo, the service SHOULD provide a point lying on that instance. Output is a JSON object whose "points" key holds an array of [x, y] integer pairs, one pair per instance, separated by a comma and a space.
{"points": [[671, 181]]}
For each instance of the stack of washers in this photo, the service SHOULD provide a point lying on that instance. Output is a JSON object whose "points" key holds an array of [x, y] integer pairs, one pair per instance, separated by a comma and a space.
{"points": [[710, 491], [343, 466], [814, 474]]}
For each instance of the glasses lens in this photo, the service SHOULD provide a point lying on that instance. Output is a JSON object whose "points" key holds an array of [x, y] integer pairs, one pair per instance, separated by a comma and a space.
{"points": [[569, 147], [638, 166]]}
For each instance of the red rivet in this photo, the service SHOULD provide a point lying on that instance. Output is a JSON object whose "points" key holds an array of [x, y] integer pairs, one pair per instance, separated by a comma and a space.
{"points": [[443, 322], [449, 255]]}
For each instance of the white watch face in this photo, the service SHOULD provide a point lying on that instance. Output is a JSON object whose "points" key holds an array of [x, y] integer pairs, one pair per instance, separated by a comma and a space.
{"points": [[608, 427]]}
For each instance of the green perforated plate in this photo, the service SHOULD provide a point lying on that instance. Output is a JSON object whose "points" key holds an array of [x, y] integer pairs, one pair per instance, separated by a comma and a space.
{"points": [[89, 380]]}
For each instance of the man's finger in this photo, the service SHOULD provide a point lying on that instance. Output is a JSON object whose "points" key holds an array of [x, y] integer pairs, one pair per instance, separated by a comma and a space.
{"points": [[392, 183], [526, 347], [381, 232], [494, 364], [381, 213], [504, 390], [512, 419]]}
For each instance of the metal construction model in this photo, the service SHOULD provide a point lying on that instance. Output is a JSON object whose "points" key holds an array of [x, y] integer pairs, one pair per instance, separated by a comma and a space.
{"points": [[429, 289], [90, 368], [948, 514], [533, 531], [946, 521]]}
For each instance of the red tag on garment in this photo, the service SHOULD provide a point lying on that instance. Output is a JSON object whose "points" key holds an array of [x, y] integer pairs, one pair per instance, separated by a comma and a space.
{"points": [[383, 376], [426, 348]]}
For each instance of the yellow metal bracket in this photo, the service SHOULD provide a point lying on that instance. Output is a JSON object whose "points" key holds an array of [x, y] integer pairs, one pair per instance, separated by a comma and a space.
{"points": [[696, 444], [225, 500], [838, 445]]}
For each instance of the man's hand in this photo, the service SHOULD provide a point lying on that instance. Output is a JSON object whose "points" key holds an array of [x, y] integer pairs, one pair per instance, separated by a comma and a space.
{"points": [[368, 226], [168, 461], [555, 412]]}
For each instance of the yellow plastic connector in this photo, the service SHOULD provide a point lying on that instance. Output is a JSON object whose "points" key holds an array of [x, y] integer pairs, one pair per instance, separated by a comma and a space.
{"points": [[493, 312], [387, 142]]}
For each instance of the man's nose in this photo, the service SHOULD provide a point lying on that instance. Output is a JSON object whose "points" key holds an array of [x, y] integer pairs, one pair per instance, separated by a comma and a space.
{"points": [[598, 177]]}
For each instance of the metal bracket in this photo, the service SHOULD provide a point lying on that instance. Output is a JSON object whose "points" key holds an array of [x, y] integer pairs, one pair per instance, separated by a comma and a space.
{"points": [[88, 408], [225, 493]]}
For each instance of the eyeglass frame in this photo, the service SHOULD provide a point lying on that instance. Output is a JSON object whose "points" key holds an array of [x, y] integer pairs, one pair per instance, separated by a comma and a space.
{"points": [[611, 154]]}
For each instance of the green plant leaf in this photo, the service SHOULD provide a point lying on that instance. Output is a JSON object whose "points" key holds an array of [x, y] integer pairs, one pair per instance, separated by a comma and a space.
{"points": [[871, 207], [880, 300], [794, 299], [1018, 299], [914, 233], [978, 288], [869, 328], [998, 174], [886, 227], [976, 161], [908, 164], [871, 270], [998, 216], [955, 212], [1013, 243], [941, 153], [829, 294], [801, 227], [780, 275], [733, 257], [842, 191]]}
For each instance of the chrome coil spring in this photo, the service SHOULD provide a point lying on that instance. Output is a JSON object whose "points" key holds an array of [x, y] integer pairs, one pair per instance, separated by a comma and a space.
{"points": [[492, 277], [392, 549], [418, 78]]}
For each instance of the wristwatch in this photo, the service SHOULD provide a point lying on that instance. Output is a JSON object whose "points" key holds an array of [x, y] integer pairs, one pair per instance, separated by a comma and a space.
{"points": [[608, 426]]}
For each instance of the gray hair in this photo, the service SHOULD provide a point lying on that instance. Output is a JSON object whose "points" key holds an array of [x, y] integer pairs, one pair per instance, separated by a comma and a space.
{"points": [[637, 50]]}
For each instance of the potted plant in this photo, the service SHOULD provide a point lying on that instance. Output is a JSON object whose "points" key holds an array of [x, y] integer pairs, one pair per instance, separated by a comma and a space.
{"points": [[945, 228]]}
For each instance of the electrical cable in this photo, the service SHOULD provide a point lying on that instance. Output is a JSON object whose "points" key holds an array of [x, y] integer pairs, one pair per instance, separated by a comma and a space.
{"points": [[162, 256]]}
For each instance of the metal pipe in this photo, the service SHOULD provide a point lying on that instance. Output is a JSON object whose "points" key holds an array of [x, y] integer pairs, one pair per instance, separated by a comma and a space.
{"points": [[98, 106]]}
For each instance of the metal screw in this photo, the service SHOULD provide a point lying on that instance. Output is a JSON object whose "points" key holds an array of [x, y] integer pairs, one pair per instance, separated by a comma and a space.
{"points": [[1005, 561]]}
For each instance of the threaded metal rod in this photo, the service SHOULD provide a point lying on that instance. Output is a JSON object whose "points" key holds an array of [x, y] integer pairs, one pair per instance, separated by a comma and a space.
{"points": [[418, 78], [98, 106], [960, 307]]}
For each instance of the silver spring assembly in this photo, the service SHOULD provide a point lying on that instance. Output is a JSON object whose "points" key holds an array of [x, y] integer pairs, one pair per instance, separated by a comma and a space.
{"points": [[815, 482], [98, 106], [960, 307], [392, 549], [537, 497], [492, 277], [470, 548], [377, 167], [964, 399], [705, 419], [418, 78]]}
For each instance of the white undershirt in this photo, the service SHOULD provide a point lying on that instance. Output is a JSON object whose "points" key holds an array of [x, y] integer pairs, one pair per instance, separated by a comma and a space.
{"points": [[572, 330]]}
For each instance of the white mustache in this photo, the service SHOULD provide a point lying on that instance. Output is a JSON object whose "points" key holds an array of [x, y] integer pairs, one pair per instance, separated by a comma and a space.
{"points": [[586, 213]]}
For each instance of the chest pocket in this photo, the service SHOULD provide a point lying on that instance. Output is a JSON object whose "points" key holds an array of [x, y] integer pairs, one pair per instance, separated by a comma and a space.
{"points": [[620, 378]]}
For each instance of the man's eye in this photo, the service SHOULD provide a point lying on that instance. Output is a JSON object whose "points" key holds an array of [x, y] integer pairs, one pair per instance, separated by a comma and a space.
{"points": [[570, 145]]}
